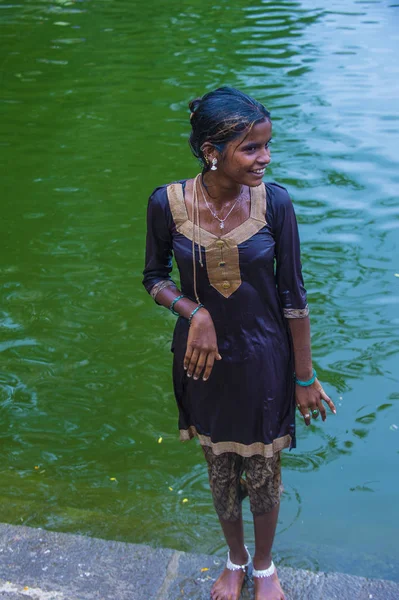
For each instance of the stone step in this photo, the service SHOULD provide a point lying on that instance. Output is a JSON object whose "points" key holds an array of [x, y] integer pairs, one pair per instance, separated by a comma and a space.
{"points": [[45, 565]]}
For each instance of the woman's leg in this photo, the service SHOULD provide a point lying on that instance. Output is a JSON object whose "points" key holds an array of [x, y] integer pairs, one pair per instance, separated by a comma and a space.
{"points": [[234, 535], [266, 588], [265, 528], [229, 585], [224, 477], [264, 488]]}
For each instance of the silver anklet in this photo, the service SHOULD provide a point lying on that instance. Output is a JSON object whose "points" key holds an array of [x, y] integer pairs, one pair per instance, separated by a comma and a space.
{"points": [[265, 572], [232, 567]]}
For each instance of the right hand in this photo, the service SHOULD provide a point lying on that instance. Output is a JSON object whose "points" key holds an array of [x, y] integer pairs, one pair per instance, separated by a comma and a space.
{"points": [[202, 349]]}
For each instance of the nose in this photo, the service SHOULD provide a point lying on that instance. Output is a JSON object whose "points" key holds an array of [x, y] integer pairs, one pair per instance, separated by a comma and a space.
{"points": [[264, 157]]}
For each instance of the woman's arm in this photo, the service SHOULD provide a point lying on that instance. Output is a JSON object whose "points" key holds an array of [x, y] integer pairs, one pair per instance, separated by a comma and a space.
{"points": [[293, 300], [202, 350], [307, 398], [300, 332]]}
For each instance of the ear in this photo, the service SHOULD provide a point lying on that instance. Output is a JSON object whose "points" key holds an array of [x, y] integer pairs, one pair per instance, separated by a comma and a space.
{"points": [[209, 152]]}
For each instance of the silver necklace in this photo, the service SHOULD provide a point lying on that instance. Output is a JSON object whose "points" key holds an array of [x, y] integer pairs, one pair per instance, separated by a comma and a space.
{"points": [[214, 215]]}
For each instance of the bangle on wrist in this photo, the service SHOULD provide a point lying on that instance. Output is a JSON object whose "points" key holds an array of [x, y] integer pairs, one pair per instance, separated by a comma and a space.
{"points": [[307, 383], [172, 306], [196, 309]]}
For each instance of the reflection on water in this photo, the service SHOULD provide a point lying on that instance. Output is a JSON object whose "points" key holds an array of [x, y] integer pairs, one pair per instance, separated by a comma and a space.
{"points": [[95, 98]]}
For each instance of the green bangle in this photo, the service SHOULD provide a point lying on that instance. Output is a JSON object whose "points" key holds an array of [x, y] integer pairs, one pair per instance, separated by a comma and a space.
{"points": [[307, 383], [171, 307], [196, 309]]}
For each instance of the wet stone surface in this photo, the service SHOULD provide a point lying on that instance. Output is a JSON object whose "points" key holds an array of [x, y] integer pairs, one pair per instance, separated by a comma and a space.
{"points": [[43, 565]]}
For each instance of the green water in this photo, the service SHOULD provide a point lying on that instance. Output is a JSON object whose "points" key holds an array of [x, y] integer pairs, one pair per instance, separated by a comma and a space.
{"points": [[93, 117]]}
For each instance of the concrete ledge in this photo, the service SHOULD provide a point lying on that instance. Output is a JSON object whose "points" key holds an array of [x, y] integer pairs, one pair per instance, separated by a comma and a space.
{"points": [[44, 565]]}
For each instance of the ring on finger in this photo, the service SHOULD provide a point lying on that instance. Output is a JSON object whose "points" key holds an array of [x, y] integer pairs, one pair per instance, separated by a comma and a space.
{"points": [[315, 413]]}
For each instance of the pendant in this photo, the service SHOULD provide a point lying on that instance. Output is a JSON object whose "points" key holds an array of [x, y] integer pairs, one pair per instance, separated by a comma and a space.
{"points": [[221, 225]]}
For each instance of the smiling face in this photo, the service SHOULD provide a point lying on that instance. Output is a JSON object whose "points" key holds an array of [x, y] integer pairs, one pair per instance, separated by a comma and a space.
{"points": [[245, 159]]}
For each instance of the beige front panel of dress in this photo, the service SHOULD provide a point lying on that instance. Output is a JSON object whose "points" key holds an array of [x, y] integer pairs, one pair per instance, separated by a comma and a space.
{"points": [[222, 258]]}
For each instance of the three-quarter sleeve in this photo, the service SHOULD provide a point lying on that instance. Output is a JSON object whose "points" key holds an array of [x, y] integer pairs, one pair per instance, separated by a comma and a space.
{"points": [[159, 252], [290, 286]]}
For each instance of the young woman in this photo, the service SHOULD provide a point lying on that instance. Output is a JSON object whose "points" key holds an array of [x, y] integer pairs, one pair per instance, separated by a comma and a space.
{"points": [[242, 358]]}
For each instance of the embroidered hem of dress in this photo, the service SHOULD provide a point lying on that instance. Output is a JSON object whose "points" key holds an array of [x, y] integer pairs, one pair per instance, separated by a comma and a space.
{"points": [[245, 450], [296, 313]]}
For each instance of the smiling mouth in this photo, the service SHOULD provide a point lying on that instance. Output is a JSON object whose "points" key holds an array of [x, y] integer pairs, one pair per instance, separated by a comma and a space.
{"points": [[259, 171]]}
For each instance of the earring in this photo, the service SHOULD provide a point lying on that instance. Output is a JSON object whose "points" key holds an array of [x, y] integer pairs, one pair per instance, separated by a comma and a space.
{"points": [[214, 163]]}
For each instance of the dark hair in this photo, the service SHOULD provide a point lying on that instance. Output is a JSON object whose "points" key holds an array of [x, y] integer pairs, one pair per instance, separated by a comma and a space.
{"points": [[221, 116]]}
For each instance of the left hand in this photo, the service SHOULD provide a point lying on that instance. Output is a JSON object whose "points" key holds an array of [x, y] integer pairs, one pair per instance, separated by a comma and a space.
{"points": [[309, 399]]}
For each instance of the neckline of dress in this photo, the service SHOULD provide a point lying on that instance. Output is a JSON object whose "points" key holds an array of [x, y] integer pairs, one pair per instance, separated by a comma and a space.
{"points": [[206, 231]]}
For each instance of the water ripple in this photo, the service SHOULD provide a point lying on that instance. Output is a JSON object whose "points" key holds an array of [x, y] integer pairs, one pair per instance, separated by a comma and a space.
{"points": [[98, 116]]}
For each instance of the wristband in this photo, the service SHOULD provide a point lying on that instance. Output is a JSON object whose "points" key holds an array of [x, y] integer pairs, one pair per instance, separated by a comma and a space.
{"points": [[307, 383], [171, 307], [196, 309]]}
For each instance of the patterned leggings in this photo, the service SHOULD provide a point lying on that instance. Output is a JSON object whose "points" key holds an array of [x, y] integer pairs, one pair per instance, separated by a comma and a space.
{"points": [[262, 482]]}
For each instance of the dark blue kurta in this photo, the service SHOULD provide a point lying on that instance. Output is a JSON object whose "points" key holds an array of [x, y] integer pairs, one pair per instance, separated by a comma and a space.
{"points": [[248, 404]]}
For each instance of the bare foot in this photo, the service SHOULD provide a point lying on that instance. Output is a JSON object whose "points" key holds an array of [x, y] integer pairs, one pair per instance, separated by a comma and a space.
{"points": [[229, 585], [268, 588]]}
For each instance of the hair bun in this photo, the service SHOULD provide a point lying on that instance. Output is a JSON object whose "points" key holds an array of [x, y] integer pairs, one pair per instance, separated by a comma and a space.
{"points": [[193, 105]]}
